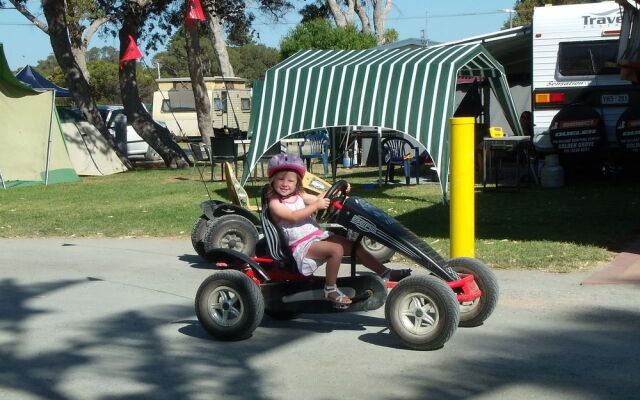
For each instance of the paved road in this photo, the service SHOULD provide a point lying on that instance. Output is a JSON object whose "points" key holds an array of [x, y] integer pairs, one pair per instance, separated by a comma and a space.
{"points": [[114, 318]]}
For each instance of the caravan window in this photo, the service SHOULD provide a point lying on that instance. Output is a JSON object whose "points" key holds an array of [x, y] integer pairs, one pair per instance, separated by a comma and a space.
{"points": [[245, 104], [220, 104], [587, 58]]}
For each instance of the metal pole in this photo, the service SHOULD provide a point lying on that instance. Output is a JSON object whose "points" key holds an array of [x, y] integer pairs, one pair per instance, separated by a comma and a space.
{"points": [[2, 179], [462, 218], [46, 171], [379, 156]]}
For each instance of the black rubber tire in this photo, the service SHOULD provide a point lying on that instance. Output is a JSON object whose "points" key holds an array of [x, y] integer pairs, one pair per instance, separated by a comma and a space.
{"points": [[281, 315], [231, 232], [440, 303], [381, 252], [476, 312], [197, 234], [229, 305]]}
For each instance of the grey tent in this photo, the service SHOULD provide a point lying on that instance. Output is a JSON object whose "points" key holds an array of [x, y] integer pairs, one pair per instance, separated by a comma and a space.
{"points": [[408, 90]]}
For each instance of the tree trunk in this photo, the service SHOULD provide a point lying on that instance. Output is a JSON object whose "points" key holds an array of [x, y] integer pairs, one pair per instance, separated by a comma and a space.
{"points": [[156, 136], [380, 13], [200, 94], [361, 10], [75, 38], [219, 45], [54, 12], [78, 44], [341, 18]]}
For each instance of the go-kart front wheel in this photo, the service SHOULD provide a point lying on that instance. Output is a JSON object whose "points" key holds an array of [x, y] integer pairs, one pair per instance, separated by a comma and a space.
{"points": [[474, 313], [229, 305], [422, 312]]}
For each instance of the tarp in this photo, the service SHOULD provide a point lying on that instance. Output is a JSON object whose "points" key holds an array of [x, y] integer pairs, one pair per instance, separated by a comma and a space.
{"points": [[32, 78], [32, 149], [409, 90], [89, 151]]}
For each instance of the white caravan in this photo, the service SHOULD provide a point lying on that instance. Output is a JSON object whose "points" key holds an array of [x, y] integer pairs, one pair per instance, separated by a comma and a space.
{"points": [[578, 98], [174, 104]]}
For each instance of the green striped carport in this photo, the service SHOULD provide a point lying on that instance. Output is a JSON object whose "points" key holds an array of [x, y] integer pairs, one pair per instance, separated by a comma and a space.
{"points": [[407, 90]]}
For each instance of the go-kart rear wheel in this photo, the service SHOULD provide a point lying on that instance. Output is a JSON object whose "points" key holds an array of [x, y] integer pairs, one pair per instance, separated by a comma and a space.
{"points": [[229, 305], [231, 232], [197, 234], [381, 252], [422, 312], [474, 313]]}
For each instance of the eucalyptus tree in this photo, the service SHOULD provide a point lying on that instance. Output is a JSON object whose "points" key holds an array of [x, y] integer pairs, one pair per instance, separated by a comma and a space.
{"points": [[368, 12], [58, 31], [83, 18], [138, 17], [237, 18]]}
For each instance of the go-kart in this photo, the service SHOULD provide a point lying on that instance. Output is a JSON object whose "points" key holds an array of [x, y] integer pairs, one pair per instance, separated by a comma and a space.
{"points": [[422, 311], [236, 225]]}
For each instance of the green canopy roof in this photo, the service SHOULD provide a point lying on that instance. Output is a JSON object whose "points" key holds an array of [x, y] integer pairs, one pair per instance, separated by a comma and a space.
{"points": [[407, 90]]}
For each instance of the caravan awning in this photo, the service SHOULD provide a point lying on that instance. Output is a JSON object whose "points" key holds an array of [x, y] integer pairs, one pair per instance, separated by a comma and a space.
{"points": [[407, 90]]}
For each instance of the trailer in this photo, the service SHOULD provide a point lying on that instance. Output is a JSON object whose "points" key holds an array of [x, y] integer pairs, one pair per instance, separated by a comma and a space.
{"points": [[230, 102], [581, 107]]}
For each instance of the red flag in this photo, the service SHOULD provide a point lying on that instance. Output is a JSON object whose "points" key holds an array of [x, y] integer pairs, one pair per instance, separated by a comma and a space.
{"points": [[194, 12], [131, 53]]}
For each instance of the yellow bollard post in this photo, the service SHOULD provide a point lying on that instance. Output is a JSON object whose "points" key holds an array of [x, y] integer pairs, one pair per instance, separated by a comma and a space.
{"points": [[462, 211]]}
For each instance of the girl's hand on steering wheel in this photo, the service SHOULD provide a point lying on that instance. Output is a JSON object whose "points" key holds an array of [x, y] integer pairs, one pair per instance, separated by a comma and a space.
{"points": [[322, 203]]}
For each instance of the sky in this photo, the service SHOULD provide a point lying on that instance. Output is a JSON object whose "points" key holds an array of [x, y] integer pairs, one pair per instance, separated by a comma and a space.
{"points": [[437, 20]]}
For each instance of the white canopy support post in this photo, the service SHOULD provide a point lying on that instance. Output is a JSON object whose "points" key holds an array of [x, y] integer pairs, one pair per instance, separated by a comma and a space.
{"points": [[379, 130], [46, 171], [2, 180]]}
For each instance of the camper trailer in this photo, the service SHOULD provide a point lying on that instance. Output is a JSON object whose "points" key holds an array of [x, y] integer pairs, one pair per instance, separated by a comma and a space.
{"points": [[174, 104], [580, 105]]}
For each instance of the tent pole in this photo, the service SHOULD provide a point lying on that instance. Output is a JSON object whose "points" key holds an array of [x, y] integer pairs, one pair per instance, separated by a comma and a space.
{"points": [[334, 164], [2, 179], [46, 171], [379, 156]]}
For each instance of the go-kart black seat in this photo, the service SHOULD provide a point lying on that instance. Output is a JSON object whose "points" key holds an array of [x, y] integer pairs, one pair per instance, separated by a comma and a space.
{"points": [[274, 237]]}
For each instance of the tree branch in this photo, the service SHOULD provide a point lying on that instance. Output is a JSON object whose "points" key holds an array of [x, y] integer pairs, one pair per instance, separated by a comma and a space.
{"points": [[93, 28], [34, 20]]}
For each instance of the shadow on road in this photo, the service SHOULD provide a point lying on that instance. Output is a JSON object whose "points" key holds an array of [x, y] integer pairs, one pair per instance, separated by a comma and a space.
{"points": [[595, 355]]}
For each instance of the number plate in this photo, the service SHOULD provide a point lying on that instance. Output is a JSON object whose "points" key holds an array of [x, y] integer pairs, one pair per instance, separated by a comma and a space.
{"points": [[615, 99]]}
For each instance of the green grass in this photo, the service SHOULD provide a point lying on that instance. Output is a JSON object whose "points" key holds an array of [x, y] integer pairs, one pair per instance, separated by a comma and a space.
{"points": [[574, 227]]}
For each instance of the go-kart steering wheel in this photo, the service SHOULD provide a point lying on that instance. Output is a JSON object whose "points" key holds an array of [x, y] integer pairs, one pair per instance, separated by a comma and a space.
{"points": [[336, 194]]}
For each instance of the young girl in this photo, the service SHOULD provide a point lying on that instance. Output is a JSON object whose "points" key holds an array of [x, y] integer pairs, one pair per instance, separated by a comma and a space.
{"points": [[292, 208]]}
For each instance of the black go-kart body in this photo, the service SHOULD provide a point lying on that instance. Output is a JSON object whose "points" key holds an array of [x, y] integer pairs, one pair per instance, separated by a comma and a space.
{"points": [[422, 310]]}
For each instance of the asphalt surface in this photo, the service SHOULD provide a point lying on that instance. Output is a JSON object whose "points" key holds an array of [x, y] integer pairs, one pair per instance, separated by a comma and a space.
{"points": [[114, 319]]}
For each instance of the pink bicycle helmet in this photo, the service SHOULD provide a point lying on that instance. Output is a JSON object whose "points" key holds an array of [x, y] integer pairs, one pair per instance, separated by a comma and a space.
{"points": [[285, 162]]}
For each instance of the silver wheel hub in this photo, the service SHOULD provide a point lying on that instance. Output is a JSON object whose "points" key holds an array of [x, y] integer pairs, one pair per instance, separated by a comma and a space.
{"points": [[418, 313], [225, 306], [232, 241]]}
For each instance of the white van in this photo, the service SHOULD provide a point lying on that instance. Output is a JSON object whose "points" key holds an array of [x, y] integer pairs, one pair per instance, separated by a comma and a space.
{"points": [[578, 98], [137, 148], [174, 104]]}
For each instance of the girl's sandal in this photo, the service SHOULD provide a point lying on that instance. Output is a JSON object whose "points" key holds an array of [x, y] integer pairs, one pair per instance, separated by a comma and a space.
{"points": [[395, 275], [341, 301]]}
